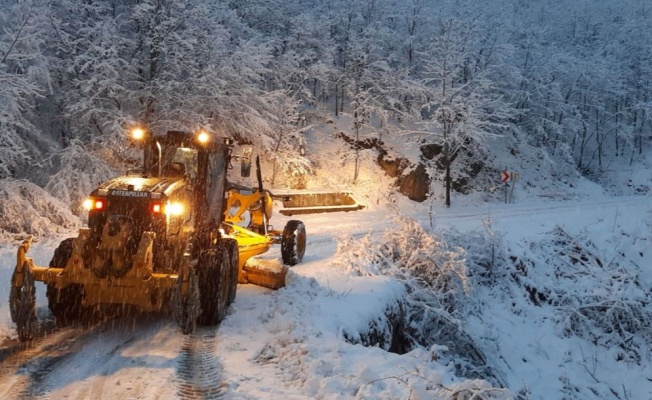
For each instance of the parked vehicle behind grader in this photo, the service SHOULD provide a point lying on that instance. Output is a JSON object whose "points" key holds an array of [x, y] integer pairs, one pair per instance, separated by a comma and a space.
{"points": [[169, 237]]}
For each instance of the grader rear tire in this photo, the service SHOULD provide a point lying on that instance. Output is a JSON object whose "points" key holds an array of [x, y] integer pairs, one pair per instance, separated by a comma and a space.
{"points": [[62, 254], [66, 303]]}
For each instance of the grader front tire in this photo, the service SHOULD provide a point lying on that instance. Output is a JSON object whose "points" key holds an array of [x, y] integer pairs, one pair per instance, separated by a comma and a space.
{"points": [[65, 303], [293, 242], [212, 270], [231, 246], [22, 303], [186, 300]]}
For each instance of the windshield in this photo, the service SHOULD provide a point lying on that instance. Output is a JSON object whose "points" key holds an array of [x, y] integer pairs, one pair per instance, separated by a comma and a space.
{"points": [[179, 161]]}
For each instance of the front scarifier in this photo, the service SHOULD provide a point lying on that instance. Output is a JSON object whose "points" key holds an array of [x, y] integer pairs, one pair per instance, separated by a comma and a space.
{"points": [[163, 239]]}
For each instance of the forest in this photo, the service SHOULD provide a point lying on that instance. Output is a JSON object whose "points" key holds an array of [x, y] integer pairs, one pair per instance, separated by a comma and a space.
{"points": [[570, 80]]}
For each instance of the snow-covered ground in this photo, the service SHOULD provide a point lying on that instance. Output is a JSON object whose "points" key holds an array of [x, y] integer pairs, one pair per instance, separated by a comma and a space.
{"points": [[291, 343]]}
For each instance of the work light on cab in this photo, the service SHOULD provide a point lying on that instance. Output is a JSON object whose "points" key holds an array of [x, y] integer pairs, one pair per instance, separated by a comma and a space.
{"points": [[203, 137], [138, 134]]}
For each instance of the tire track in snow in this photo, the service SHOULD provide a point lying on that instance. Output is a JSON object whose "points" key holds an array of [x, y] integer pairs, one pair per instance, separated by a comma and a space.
{"points": [[24, 365], [199, 371]]}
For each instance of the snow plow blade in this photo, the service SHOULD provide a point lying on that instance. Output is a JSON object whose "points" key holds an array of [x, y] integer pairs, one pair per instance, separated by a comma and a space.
{"points": [[266, 278], [296, 203]]}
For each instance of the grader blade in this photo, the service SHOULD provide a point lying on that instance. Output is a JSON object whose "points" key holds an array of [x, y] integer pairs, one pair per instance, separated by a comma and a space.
{"points": [[295, 203], [266, 278]]}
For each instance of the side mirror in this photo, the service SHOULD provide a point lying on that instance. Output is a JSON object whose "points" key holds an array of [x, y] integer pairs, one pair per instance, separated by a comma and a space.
{"points": [[245, 165]]}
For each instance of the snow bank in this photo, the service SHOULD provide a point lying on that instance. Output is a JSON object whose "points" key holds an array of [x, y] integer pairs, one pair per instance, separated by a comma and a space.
{"points": [[566, 314], [26, 209]]}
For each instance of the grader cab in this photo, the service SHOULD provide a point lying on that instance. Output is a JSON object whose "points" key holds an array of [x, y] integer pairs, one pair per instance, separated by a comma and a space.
{"points": [[169, 237]]}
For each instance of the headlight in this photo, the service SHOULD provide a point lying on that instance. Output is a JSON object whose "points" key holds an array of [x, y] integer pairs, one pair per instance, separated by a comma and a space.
{"points": [[93, 204], [174, 209]]}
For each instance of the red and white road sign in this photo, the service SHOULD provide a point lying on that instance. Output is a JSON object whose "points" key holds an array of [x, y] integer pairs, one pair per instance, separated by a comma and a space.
{"points": [[505, 176]]}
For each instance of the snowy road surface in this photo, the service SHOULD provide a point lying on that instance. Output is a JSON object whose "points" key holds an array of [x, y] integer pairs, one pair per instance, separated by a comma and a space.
{"points": [[289, 343]]}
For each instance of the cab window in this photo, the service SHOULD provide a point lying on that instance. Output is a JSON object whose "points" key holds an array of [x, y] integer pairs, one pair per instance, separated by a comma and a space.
{"points": [[180, 161]]}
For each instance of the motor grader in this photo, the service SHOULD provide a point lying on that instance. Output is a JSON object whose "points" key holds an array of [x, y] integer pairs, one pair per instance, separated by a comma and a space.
{"points": [[169, 237]]}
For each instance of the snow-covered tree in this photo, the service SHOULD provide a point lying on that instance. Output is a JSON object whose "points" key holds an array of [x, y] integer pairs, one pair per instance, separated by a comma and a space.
{"points": [[169, 64], [24, 77], [288, 146], [465, 107]]}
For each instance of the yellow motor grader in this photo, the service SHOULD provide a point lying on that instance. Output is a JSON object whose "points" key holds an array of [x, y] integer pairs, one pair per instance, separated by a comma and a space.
{"points": [[169, 237]]}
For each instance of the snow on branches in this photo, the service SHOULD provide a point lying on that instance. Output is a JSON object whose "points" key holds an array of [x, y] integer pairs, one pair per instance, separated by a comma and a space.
{"points": [[81, 171], [598, 298], [437, 283], [26, 209], [411, 254]]}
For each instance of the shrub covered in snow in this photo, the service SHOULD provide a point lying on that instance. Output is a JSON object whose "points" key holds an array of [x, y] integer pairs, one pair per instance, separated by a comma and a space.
{"points": [[410, 253], [437, 282], [485, 253], [434, 272], [26, 209], [599, 299]]}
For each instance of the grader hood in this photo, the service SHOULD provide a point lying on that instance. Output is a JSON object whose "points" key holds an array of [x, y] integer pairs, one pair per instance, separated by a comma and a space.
{"points": [[313, 202]]}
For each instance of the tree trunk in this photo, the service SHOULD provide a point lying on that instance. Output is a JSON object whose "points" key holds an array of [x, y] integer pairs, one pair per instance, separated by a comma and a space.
{"points": [[448, 182], [357, 148], [336, 96], [448, 160]]}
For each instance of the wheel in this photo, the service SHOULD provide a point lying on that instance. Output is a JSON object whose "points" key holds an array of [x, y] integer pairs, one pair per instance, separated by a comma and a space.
{"points": [[293, 242], [22, 305], [186, 306], [212, 271], [62, 254], [65, 303], [231, 246]]}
